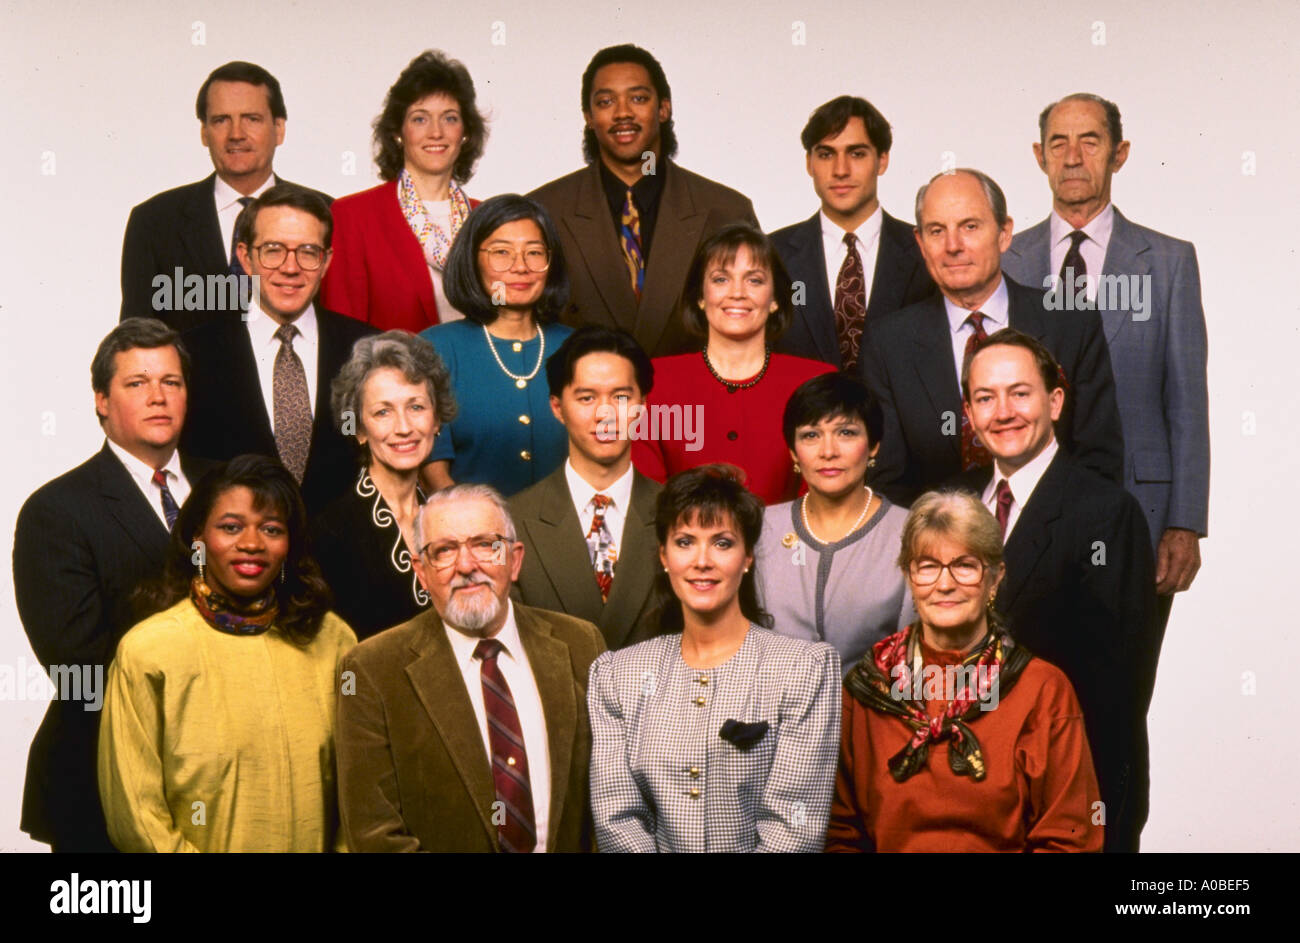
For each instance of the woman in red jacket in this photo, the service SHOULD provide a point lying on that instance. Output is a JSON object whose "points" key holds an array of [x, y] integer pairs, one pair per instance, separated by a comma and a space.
{"points": [[391, 241]]}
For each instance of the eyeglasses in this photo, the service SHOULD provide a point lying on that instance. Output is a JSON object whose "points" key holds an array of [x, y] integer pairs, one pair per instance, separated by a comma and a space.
{"points": [[309, 257], [485, 548], [500, 259], [967, 571]]}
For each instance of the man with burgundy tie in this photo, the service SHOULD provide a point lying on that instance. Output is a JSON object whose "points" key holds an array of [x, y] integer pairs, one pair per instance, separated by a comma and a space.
{"points": [[1157, 347], [630, 221], [1080, 587], [261, 381], [588, 527], [82, 544], [465, 729], [912, 357], [851, 261], [191, 228]]}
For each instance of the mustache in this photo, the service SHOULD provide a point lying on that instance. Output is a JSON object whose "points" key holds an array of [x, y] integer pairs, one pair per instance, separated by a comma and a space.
{"points": [[473, 579]]}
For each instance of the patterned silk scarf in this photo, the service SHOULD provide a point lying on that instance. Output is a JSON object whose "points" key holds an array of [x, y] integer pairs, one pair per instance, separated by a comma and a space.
{"points": [[893, 665], [435, 243], [225, 615]]}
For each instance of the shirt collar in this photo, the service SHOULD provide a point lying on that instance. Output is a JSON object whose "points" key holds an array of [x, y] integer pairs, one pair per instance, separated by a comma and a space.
{"points": [[646, 191], [227, 196], [867, 233], [463, 645], [1098, 228], [142, 471], [262, 327], [620, 491], [1025, 479], [994, 309]]}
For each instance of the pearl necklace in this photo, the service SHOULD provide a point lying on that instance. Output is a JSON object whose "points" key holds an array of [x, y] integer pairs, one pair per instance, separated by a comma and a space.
{"points": [[731, 385], [803, 511], [520, 381]]}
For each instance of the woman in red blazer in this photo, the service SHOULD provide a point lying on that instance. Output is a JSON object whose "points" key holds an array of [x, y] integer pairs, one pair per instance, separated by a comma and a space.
{"points": [[391, 241]]}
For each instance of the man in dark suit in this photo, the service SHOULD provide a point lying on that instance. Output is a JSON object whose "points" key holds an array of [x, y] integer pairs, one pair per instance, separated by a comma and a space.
{"points": [[1079, 589], [261, 382], [912, 358], [631, 220], [83, 543], [589, 526], [465, 729], [852, 261], [178, 254], [1155, 330]]}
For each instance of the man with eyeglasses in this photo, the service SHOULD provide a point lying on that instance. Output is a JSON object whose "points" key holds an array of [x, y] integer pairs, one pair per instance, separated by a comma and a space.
{"points": [[261, 380], [1080, 583], [465, 729]]}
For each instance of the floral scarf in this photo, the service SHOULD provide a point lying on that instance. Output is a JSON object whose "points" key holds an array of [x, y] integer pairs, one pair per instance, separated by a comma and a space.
{"points": [[435, 243], [893, 666], [226, 615]]}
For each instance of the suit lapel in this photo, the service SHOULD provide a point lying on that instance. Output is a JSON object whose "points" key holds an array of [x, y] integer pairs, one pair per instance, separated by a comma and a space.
{"points": [[593, 231], [1032, 535], [553, 672], [440, 686], [635, 572], [889, 282], [932, 359], [1035, 249], [1126, 255], [809, 260], [677, 233], [558, 539], [245, 383], [201, 235], [128, 506]]}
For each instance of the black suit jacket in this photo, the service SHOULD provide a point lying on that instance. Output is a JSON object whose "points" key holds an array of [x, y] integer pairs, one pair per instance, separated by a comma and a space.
{"points": [[227, 416], [82, 544], [907, 362], [1080, 592], [177, 228], [900, 279], [557, 572]]}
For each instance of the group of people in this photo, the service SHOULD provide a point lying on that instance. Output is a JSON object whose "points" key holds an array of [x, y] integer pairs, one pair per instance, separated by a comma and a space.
{"points": [[598, 519]]}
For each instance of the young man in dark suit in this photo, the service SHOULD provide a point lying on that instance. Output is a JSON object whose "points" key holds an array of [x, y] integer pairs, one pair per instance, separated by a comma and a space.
{"points": [[191, 228], [261, 382], [1080, 587], [82, 545], [631, 220], [851, 261], [589, 526], [912, 358], [1156, 333]]}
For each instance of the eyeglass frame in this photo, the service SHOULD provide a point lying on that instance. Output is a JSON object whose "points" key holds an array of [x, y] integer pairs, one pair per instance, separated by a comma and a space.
{"points": [[912, 575], [257, 250], [498, 540], [515, 255]]}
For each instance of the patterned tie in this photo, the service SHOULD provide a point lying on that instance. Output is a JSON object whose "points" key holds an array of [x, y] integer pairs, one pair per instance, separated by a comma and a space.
{"points": [[1074, 259], [235, 267], [600, 544], [170, 510], [973, 453], [1005, 500], [509, 761], [629, 236], [292, 405], [850, 304]]}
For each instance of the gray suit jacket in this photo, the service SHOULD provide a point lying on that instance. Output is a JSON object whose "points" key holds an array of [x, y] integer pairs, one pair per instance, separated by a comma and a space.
{"points": [[557, 574], [691, 208], [1159, 358]]}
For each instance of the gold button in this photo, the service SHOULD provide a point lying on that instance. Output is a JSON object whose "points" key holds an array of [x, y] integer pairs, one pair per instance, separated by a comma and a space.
{"points": [[702, 680], [525, 419], [526, 455], [695, 794], [695, 772], [510, 760], [516, 347], [699, 701]]}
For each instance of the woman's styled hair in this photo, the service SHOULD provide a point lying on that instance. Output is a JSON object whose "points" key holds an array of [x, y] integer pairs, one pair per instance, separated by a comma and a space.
{"points": [[720, 249], [461, 280], [707, 496], [303, 598], [960, 517], [427, 74], [413, 356], [832, 396]]}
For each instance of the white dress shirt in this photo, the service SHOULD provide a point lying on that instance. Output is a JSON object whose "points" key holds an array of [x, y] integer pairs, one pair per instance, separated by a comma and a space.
{"points": [[142, 475], [439, 213], [868, 248], [996, 318], [514, 665], [1093, 249], [620, 494], [1022, 483], [228, 207], [261, 332]]}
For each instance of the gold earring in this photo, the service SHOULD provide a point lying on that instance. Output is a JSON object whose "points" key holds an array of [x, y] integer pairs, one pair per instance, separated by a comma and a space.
{"points": [[283, 578], [871, 463], [796, 468], [202, 576], [992, 596]]}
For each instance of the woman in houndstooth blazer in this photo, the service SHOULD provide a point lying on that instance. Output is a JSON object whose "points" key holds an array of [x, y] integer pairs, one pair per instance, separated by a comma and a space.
{"points": [[719, 735]]}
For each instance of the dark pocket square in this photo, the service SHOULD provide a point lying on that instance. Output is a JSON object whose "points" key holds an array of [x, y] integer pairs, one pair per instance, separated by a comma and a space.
{"points": [[743, 736]]}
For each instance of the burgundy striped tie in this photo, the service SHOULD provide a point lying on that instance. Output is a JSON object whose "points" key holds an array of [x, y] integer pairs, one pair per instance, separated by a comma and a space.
{"points": [[973, 453], [509, 761]]}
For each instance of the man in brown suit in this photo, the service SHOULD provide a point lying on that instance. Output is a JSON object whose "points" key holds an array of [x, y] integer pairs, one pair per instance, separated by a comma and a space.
{"points": [[631, 220], [466, 728]]}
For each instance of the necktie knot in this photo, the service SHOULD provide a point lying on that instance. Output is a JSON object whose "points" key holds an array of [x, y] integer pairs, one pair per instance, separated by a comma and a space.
{"points": [[1076, 239], [976, 320], [850, 240], [285, 334], [488, 649], [1004, 501], [1004, 492], [160, 478], [601, 501]]}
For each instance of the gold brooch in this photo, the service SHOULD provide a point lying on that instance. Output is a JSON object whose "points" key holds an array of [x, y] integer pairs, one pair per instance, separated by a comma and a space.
{"points": [[789, 540]]}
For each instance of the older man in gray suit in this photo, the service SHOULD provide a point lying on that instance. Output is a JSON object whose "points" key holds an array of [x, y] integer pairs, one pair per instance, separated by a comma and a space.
{"points": [[1147, 287]]}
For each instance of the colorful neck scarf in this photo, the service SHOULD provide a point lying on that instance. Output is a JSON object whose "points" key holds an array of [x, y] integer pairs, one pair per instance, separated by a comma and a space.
{"points": [[435, 243], [225, 615], [892, 669]]}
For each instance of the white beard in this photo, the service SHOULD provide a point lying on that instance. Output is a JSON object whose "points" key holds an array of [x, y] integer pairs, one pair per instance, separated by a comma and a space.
{"points": [[469, 616]]}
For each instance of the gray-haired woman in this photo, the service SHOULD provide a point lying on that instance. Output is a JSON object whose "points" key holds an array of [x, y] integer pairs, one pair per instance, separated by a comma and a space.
{"points": [[394, 393]]}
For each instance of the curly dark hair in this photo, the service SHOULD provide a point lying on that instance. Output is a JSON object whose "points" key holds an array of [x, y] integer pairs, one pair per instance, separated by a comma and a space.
{"points": [[303, 597], [635, 55], [427, 74]]}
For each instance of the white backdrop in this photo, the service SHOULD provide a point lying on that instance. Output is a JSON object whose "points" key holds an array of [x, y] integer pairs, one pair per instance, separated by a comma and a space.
{"points": [[98, 115]]}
